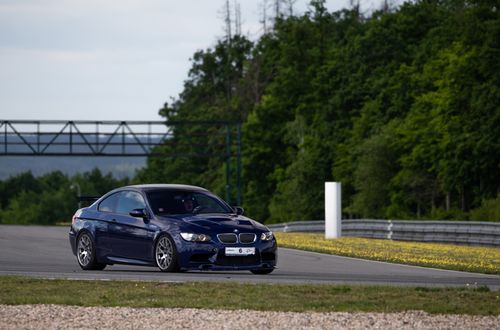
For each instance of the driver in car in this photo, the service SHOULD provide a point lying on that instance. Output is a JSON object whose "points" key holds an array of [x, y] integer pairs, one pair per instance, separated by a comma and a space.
{"points": [[188, 205]]}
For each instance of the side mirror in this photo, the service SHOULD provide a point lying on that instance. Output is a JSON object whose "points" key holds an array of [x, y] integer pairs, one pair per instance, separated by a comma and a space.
{"points": [[138, 213], [239, 210]]}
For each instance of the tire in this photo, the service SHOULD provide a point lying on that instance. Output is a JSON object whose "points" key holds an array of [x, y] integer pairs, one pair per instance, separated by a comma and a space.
{"points": [[262, 271], [166, 254], [85, 253]]}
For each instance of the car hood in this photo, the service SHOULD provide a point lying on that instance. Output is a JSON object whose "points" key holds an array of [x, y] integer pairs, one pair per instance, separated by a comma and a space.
{"points": [[222, 222]]}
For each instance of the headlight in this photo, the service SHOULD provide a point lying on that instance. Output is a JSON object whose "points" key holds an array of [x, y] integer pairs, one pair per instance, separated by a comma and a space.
{"points": [[190, 237], [267, 236]]}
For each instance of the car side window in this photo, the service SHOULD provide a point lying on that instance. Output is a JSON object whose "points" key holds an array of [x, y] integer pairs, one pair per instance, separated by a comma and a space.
{"points": [[128, 201], [109, 203]]}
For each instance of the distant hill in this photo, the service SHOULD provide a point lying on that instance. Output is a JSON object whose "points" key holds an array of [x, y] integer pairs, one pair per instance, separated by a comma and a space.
{"points": [[120, 167]]}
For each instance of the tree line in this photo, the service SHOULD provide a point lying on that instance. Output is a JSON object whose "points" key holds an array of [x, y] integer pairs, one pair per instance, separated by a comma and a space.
{"points": [[51, 198], [402, 107]]}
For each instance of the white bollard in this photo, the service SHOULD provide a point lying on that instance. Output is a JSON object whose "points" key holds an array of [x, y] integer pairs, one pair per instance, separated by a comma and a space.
{"points": [[333, 210]]}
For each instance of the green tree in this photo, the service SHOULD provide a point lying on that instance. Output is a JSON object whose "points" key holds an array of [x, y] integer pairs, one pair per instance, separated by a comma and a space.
{"points": [[400, 106]]}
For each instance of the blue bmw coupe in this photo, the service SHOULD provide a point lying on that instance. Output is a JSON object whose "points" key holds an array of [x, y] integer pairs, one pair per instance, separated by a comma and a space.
{"points": [[173, 227]]}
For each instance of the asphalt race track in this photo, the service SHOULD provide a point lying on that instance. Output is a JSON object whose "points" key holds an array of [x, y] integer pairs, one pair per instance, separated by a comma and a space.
{"points": [[45, 252]]}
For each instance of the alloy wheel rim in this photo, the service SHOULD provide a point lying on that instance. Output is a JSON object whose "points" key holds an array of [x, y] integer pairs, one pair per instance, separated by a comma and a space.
{"points": [[84, 250], [164, 253]]}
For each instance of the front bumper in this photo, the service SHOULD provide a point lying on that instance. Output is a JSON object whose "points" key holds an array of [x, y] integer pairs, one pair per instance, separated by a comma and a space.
{"points": [[211, 256]]}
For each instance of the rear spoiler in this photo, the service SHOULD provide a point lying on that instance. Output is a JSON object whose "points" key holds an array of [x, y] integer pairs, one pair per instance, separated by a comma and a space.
{"points": [[88, 198]]}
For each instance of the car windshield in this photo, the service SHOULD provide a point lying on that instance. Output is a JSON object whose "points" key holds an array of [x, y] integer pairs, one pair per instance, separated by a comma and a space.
{"points": [[186, 202]]}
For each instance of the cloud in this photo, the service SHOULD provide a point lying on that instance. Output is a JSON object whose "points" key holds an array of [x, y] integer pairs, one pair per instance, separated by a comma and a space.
{"points": [[90, 25], [103, 59]]}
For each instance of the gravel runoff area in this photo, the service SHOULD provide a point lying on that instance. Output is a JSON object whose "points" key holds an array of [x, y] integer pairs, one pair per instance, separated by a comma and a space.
{"points": [[74, 317]]}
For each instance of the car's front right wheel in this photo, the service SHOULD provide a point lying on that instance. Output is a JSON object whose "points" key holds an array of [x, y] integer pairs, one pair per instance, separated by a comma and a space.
{"points": [[166, 254], [262, 271]]}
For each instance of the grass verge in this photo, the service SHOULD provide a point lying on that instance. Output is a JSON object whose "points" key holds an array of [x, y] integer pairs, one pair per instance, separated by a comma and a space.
{"points": [[297, 298], [445, 256], [229, 296]]}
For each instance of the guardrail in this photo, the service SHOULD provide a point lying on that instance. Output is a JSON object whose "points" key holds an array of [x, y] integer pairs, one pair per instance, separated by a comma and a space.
{"points": [[457, 232]]}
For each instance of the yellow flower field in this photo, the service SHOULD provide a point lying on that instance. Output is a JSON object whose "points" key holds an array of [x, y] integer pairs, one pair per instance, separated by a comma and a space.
{"points": [[445, 256]]}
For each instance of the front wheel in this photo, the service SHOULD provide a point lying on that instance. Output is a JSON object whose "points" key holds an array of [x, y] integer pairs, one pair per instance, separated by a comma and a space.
{"points": [[166, 254], [85, 253], [262, 271]]}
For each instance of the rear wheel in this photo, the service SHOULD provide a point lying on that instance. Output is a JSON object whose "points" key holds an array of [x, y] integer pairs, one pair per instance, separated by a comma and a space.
{"points": [[166, 254], [85, 253], [262, 271]]}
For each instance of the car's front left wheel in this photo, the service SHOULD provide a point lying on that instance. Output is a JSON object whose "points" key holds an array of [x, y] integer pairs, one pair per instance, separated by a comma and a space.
{"points": [[85, 253], [166, 254]]}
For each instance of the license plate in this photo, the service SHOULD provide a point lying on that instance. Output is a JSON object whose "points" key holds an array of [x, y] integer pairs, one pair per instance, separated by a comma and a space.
{"points": [[243, 251]]}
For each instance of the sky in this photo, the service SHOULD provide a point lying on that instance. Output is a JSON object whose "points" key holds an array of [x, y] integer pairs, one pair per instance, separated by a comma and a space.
{"points": [[106, 59]]}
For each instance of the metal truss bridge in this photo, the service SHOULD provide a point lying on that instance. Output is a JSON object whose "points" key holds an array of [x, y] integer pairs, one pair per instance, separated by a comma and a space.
{"points": [[195, 139]]}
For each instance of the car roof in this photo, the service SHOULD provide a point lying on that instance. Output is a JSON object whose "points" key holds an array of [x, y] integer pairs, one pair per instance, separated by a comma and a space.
{"points": [[161, 186]]}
